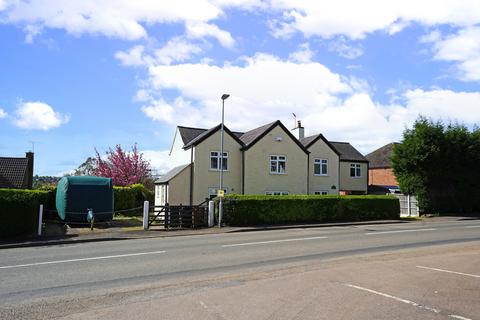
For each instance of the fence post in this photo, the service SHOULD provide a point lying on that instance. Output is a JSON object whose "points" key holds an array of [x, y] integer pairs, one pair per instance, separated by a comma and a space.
{"points": [[211, 210], [146, 209], [409, 205], [40, 219]]}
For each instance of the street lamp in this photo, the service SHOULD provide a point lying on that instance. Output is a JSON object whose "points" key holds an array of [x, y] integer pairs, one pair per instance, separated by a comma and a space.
{"points": [[220, 205]]}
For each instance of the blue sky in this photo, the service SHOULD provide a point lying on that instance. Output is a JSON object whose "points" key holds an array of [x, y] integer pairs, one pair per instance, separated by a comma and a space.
{"points": [[82, 74]]}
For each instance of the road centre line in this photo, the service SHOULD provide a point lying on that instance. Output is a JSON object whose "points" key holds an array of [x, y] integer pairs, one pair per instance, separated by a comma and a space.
{"points": [[82, 259], [399, 231], [472, 226], [448, 271], [412, 303], [271, 241]]}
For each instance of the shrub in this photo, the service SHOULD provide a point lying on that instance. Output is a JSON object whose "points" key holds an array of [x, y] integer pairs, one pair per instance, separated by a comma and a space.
{"points": [[258, 209], [19, 211], [130, 197]]}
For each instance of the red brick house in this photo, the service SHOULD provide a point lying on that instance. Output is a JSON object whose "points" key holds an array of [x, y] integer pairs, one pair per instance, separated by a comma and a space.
{"points": [[381, 178]]}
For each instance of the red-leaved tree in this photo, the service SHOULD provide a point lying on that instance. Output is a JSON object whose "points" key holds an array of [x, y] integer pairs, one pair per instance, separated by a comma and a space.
{"points": [[125, 168]]}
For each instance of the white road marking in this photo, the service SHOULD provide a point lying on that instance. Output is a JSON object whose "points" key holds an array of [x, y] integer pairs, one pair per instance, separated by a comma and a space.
{"points": [[420, 306], [472, 226], [271, 241], [458, 317], [399, 231], [448, 271], [82, 259]]}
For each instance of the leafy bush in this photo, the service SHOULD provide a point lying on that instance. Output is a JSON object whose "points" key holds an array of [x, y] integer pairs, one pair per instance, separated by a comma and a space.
{"points": [[130, 197], [19, 211], [259, 209]]}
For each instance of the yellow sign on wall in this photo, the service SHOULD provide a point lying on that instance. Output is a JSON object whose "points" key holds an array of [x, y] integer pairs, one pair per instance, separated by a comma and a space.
{"points": [[221, 193]]}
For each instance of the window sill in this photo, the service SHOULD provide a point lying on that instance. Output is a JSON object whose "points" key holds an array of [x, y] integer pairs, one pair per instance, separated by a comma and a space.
{"points": [[321, 175], [218, 170], [279, 173]]}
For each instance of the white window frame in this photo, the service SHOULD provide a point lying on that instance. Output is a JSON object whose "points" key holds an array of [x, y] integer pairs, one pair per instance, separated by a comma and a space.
{"points": [[277, 159], [277, 193], [320, 193], [358, 170], [320, 162], [217, 156]]}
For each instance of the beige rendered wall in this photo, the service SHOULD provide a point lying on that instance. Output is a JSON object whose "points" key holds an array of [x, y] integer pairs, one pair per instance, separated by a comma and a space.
{"points": [[320, 150], [179, 188], [258, 178], [348, 183], [204, 178]]}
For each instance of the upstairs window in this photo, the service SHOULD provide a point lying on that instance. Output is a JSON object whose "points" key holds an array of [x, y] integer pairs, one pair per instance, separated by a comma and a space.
{"points": [[215, 160], [355, 171], [278, 164], [320, 167]]}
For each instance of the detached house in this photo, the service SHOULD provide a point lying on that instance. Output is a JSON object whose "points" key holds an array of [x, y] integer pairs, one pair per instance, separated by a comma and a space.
{"points": [[269, 160]]}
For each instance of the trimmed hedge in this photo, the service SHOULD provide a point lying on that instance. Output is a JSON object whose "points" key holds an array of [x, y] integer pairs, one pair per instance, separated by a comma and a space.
{"points": [[19, 211], [130, 197], [259, 209]]}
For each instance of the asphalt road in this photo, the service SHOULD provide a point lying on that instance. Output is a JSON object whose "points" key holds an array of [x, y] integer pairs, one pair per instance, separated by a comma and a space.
{"points": [[69, 280]]}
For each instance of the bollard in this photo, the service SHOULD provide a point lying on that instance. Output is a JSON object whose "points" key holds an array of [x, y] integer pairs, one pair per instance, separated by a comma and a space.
{"points": [[211, 210], [40, 219], [146, 208]]}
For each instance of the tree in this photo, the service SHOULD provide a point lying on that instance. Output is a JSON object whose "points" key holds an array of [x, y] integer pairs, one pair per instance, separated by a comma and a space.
{"points": [[87, 168], [437, 162], [125, 168]]}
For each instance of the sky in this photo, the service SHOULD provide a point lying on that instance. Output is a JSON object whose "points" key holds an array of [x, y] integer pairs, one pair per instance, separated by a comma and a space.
{"points": [[81, 75]]}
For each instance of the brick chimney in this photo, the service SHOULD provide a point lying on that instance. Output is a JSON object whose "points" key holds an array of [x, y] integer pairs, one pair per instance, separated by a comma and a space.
{"points": [[299, 131], [29, 175]]}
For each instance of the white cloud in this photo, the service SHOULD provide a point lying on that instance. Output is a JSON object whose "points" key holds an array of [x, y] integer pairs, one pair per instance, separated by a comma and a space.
{"points": [[38, 116], [176, 49], [463, 48], [134, 57], [201, 30], [159, 160], [345, 50], [303, 54], [3, 114], [264, 88], [355, 19], [113, 18]]}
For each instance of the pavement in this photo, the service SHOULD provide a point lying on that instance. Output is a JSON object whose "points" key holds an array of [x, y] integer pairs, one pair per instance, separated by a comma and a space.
{"points": [[420, 270], [84, 234]]}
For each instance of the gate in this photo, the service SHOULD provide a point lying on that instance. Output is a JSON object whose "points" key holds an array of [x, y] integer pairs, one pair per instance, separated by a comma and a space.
{"points": [[179, 217], [408, 205]]}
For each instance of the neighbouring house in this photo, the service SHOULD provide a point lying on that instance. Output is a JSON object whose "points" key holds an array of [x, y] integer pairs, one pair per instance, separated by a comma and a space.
{"points": [[16, 173], [353, 169], [381, 178], [269, 160]]}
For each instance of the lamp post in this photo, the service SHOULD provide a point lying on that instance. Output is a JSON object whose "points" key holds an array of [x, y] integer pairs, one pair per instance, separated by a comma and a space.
{"points": [[220, 205]]}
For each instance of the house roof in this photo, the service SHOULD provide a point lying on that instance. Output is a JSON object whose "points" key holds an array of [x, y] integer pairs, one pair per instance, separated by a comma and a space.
{"points": [[207, 133], [309, 141], [171, 174], [188, 133], [13, 172], [380, 158], [251, 137], [348, 152]]}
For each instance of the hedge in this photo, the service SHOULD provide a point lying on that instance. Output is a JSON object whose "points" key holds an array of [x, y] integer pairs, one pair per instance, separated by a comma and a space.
{"points": [[19, 211], [130, 197], [259, 209]]}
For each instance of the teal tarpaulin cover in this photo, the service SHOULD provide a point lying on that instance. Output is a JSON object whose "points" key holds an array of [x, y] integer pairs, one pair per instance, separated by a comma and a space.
{"points": [[75, 195]]}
